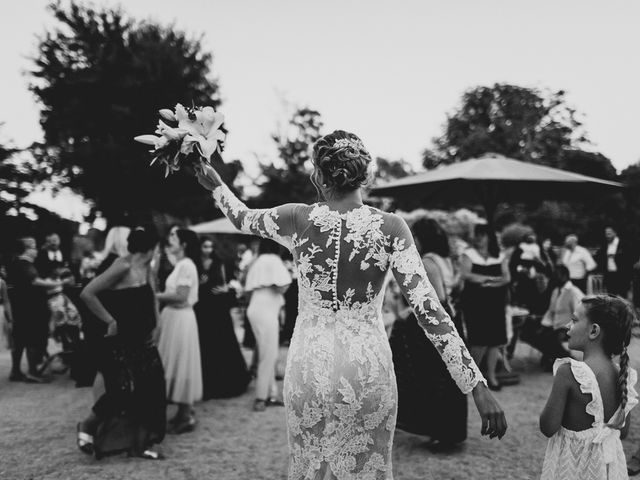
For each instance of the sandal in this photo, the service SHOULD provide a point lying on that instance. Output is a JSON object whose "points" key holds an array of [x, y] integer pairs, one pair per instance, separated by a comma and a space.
{"points": [[274, 402], [84, 440]]}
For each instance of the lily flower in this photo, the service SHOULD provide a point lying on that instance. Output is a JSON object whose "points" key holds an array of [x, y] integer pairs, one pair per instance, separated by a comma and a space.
{"points": [[202, 130], [157, 141], [172, 134], [167, 115]]}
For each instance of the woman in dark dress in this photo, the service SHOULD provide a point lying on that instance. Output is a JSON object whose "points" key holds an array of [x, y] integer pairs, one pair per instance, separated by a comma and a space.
{"points": [[429, 401], [224, 370], [485, 272], [131, 414], [85, 368]]}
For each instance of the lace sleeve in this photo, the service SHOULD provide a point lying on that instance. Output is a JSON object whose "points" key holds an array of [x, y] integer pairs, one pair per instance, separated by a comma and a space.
{"points": [[276, 223], [411, 276]]}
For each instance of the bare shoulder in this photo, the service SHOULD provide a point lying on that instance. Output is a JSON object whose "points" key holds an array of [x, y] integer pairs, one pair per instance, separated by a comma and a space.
{"points": [[564, 377], [120, 264]]}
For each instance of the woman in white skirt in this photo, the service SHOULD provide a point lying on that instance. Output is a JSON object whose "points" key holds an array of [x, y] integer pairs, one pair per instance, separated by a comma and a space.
{"points": [[178, 342], [267, 280]]}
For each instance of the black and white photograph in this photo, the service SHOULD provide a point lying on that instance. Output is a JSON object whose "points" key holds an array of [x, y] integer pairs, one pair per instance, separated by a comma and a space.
{"points": [[339, 240]]}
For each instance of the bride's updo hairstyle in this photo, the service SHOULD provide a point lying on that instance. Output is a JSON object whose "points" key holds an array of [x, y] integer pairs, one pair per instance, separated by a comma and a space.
{"points": [[342, 160]]}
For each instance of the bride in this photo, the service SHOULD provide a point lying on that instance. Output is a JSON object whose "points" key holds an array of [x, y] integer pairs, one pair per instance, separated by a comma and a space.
{"points": [[340, 388]]}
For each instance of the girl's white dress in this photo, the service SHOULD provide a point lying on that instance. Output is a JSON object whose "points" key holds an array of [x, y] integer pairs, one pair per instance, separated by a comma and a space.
{"points": [[595, 453], [178, 344]]}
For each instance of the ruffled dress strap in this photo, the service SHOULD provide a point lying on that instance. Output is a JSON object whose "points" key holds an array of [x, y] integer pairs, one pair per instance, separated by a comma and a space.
{"points": [[588, 385]]}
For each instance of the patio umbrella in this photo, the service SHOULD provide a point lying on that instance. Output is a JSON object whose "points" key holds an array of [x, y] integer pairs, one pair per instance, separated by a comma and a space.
{"points": [[492, 179], [220, 225]]}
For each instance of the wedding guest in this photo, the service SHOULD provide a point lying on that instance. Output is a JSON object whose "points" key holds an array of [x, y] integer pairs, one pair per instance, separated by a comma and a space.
{"points": [[267, 281], [615, 263], [131, 414], [485, 272], [429, 402], [565, 299], [50, 259], [85, 372], [115, 246], [548, 255], [224, 370], [578, 260], [178, 344], [290, 305], [30, 329], [524, 265]]}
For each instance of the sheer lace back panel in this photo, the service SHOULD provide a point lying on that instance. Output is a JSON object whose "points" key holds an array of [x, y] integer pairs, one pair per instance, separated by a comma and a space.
{"points": [[343, 257], [340, 388]]}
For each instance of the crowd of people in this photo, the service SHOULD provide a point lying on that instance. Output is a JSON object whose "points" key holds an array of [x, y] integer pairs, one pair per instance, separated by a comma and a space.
{"points": [[170, 310], [147, 322]]}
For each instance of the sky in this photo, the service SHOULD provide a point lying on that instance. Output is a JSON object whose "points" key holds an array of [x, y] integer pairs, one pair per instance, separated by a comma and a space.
{"points": [[387, 71]]}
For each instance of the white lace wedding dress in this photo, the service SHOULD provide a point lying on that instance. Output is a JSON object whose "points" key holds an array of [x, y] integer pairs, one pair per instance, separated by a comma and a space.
{"points": [[340, 387]]}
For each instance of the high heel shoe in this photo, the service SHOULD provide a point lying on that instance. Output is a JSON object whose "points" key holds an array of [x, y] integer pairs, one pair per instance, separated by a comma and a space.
{"points": [[84, 440], [274, 402]]}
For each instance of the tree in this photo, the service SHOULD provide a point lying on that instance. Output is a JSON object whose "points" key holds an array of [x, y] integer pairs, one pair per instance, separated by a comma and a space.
{"points": [[593, 164], [630, 176], [388, 170], [533, 126], [101, 78], [289, 181], [522, 123], [21, 172]]}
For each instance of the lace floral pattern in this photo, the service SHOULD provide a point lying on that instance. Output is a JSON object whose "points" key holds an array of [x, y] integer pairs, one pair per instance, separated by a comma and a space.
{"points": [[340, 387]]}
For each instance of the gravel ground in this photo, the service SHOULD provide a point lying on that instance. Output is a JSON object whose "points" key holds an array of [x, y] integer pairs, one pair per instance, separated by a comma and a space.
{"points": [[37, 437]]}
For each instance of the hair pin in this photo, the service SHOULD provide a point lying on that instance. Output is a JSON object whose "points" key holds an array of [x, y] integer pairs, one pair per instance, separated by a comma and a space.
{"points": [[348, 142]]}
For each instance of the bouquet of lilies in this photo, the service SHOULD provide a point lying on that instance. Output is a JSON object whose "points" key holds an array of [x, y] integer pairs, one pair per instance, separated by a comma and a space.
{"points": [[186, 136]]}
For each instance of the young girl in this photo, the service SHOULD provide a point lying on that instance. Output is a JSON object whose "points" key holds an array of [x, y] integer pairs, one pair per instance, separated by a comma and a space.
{"points": [[587, 411]]}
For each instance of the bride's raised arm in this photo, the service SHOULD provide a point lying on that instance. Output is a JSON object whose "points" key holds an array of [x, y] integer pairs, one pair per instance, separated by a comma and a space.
{"points": [[276, 223]]}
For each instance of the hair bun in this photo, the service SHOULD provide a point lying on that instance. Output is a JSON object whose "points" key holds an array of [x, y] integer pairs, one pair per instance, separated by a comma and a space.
{"points": [[343, 161], [340, 177]]}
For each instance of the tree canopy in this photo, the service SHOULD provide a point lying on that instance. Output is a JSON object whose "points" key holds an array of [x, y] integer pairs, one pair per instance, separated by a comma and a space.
{"points": [[101, 78], [527, 124], [287, 180]]}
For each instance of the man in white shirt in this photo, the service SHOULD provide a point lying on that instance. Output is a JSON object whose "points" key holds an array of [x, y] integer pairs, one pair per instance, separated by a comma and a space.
{"points": [[564, 301], [579, 262]]}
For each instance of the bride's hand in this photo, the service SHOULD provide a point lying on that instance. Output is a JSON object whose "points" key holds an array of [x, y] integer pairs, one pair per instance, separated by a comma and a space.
{"points": [[494, 422], [207, 176]]}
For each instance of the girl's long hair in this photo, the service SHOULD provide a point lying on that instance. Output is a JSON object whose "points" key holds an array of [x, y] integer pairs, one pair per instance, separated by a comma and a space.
{"points": [[616, 318]]}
